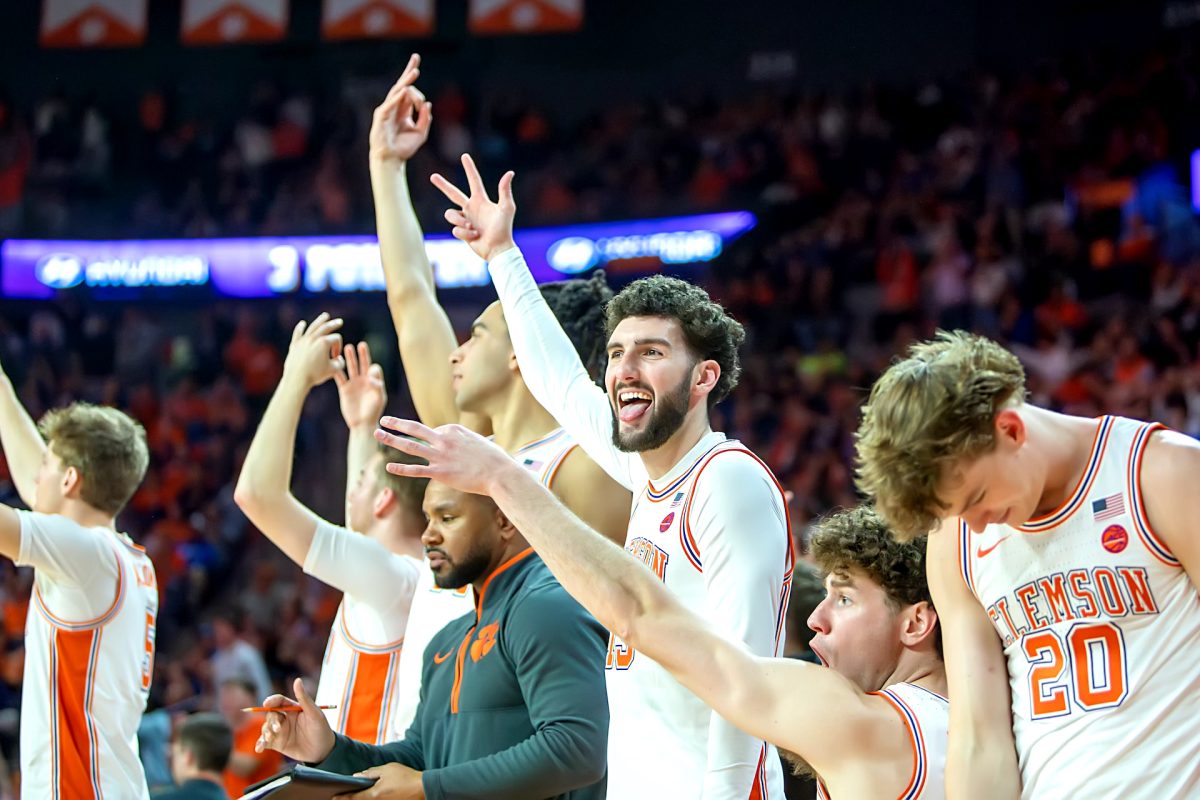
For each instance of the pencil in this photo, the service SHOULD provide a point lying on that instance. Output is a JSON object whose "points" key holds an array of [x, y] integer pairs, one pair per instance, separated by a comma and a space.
{"points": [[284, 709]]}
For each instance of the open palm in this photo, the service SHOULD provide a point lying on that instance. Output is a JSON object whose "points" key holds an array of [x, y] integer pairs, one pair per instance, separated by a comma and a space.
{"points": [[400, 125], [361, 390], [483, 224]]}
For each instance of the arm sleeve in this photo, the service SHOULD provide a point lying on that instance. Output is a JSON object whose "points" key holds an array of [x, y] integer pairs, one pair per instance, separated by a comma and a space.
{"points": [[362, 568], [557, 650], [552, 370], [739, 524], [348, 756], [68, 553]]}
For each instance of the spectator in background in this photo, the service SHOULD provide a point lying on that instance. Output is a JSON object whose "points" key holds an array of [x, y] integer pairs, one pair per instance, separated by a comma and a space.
{"points": [[237, 660], [245, 766], [16, 156], [199, 756]]}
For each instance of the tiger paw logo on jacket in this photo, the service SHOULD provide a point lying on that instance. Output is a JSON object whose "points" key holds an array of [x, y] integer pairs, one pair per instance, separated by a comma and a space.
{"points": [[485, 641]]}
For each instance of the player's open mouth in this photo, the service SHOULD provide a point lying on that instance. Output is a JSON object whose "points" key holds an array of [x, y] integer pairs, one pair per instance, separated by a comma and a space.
{"points": [[632, 404]]}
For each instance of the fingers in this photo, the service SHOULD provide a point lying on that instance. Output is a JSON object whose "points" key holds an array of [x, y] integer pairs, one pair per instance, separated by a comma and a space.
{"points": [[302, 697], [351, 355], [403, 444], [424, 116], [375, 372], [364, 356], [452, 192], [298, 331], [505, 195], [465, 234], [474, 179], [457, 218]]}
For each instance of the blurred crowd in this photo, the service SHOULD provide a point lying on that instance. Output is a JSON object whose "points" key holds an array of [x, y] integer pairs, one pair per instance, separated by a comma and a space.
{"points": [[1046, 209]]}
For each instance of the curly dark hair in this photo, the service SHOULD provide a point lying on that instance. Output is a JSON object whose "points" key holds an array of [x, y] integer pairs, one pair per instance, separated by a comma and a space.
{"points": [[859, 538], [579, 307], [710, 332]]}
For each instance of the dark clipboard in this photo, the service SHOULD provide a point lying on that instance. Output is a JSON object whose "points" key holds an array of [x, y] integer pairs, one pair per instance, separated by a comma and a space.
{"points": [[299, 782]]}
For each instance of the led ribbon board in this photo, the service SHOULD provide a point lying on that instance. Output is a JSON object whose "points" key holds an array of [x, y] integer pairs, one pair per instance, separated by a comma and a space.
{"points": [[276, 266]]}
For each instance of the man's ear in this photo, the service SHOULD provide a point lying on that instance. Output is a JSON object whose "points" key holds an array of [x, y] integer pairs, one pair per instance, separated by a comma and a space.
{"points": [[385, 501], [1010, 427], [920, 624], [707, 373], [507, 529], [72, 482]]}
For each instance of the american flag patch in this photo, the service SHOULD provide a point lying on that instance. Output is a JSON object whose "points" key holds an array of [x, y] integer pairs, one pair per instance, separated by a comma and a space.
{"points": [[678, 499], [1108, 507], [532, 465]]}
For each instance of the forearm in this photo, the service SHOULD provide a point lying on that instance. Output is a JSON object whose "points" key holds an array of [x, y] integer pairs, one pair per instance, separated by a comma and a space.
{"points": [[617, 591], [401, 241], [263, 489], [23, 445], [558, 758], [424, 334], [360, 446], [551, 368], [349, 756]]}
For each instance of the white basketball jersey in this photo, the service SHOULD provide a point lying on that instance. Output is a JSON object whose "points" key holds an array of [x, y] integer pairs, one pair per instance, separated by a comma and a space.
{"points": [[1101, 629], [433, 607], [659, 731], [89, 660], [926, 717]]}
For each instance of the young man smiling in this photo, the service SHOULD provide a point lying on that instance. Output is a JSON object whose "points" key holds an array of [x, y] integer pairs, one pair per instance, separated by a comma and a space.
{"points": [[709, 519]]}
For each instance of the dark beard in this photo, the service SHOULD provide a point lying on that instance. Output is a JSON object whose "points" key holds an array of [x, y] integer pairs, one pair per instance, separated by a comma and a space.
{"points": [[666, 417], [459, 574]]}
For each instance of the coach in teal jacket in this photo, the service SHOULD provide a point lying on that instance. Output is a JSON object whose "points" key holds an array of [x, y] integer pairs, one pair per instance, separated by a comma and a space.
{"points": [[513, 703]]}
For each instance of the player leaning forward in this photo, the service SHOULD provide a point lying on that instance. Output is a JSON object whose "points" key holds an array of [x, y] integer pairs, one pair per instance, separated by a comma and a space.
{"points": [[1065, 559]]}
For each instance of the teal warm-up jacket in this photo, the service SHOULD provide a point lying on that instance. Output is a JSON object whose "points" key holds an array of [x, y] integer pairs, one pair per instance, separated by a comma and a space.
{"points": [[513, 703]]}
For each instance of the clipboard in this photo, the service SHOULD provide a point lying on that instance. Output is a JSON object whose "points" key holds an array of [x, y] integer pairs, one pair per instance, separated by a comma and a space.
{"points": [[299, 782]]}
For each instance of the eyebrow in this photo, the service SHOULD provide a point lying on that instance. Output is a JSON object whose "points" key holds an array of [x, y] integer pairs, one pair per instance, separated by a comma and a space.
{"points": [[638, 342], [477, 324], [439, 508], [841, 583]]}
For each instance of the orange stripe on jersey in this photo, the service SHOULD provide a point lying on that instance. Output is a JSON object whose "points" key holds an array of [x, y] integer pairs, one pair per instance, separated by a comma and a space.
{"points": [[1074, 501], [73, 734], [1137, 506], [548, 482], [366, 695], [95, 622], [758, 789]]}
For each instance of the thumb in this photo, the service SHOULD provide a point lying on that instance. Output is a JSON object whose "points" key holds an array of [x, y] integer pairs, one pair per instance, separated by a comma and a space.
{"points": [[506, 193], [302, 697]]}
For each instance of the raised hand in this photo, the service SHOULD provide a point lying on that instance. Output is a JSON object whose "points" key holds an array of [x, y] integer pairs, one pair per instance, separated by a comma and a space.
{"points": [[300, 735], [361, 391], [400, 124], [485, 225], [457, 456], [314, 355]]}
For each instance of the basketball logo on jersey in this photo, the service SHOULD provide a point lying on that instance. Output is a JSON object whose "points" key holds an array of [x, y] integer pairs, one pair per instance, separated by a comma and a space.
{"points": [[666, 522], [1114, 539]]}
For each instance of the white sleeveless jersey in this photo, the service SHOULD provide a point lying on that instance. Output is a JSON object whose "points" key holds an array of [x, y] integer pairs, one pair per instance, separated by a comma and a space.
{"points": [[926, 717], [433, 608], [359, 671], [1101, 629], [89, 659], [659, 733]]}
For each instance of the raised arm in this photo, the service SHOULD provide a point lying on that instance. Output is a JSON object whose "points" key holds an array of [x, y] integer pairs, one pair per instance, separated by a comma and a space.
{"points": [[981, 760], [23, 446], [263, 490], [399, 128], [550, 366], [767, 698], [362, 396]]}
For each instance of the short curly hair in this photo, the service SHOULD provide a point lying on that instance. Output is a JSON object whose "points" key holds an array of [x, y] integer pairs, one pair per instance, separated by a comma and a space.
{"points": [[708, 329], [859, 538], [927, 414], [579, 305]]}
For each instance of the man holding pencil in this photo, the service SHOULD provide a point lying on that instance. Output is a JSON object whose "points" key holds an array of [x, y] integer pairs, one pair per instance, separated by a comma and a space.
{"points": [[513, 702]]}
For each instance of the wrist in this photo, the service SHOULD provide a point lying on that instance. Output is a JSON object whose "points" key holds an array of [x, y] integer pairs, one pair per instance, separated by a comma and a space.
{"points": [[502, 247], [294, 380], [387, 166], [504, 481]]}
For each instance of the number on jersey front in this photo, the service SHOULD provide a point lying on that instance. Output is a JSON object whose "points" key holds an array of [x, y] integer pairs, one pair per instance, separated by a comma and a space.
{"points": [[1086, 666], [148, 655], [620, 655]]}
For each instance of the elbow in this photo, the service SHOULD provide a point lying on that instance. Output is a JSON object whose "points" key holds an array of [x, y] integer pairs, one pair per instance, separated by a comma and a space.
{"points": [[246, 496]]}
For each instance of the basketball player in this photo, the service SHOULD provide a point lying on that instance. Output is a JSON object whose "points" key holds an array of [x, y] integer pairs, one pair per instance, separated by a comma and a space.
{"points": [[374, 560], [478, 383], [89, 634], [709, 518], [875, 628], [1065, 551]]}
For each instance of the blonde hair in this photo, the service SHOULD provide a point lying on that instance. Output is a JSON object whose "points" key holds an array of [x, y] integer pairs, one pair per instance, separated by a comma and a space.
{"points": [[106, 446], [930, 411]]}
